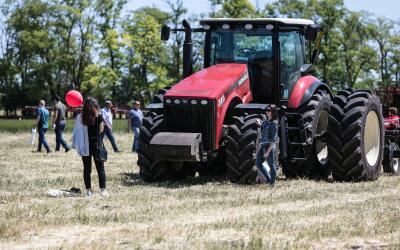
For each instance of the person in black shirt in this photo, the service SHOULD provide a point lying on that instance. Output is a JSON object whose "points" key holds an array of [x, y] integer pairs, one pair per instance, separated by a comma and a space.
{"points": [[59, 121], [93, 121]]}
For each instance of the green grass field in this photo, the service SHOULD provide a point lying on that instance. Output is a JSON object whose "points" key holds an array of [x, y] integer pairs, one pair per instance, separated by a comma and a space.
{"points": [[25, 125], [197, 214]]}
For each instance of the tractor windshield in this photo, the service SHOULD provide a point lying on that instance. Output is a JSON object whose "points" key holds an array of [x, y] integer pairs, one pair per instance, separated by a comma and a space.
{"points": [[239, 45], [254, 47]]}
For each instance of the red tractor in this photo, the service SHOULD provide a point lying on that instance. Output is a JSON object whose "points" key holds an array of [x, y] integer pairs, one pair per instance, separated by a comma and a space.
{"points": [[206, 122]]}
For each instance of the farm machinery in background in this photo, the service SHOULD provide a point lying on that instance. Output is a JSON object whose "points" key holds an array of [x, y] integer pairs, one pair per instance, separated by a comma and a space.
{"points": [[390, 98], [206, 122]]}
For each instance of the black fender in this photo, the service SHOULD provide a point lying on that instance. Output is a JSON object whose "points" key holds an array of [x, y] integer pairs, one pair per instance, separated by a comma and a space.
{"points": [[304, 89], [314, 87]]}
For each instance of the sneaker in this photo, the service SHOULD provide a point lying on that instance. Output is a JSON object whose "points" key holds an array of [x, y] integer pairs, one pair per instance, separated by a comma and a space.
{"points": [[89, 193], [103, 192], [66, 150], [118, 151]]}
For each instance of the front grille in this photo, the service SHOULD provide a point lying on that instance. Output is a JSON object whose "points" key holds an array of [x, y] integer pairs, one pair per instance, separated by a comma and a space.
{"points": [[192, 118]]}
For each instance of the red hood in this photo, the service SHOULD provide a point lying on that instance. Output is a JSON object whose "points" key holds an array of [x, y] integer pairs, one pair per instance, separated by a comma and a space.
{"points": [[209, 83]]}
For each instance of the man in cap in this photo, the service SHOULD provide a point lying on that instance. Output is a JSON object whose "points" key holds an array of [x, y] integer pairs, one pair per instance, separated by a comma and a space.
{"points": [[135, 117], [107, 118]]}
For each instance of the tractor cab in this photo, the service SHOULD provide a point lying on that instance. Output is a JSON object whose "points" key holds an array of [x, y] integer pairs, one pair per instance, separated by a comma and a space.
{"points": [[274, 50]]}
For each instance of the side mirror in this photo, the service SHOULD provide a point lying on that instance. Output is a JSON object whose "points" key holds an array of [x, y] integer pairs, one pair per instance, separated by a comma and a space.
{"points": [[311, 32], [165, 31], [306, 69]]}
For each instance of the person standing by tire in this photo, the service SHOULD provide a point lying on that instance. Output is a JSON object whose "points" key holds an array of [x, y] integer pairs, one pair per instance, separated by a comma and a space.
{"points": [[269, 136], [88, 126], [107, 119], [135, 117], [59, 121], [42, 125]]}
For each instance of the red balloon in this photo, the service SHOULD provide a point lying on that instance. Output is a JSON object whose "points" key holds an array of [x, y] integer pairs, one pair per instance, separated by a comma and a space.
{"points": [[74, 98]]}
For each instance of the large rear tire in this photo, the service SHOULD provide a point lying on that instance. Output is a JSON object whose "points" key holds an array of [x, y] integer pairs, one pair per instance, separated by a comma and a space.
{"points": [[356, 136], [241, 150], [313, 126]]}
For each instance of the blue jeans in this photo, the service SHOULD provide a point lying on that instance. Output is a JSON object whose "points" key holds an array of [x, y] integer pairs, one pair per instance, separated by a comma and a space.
{"points": [[110, 136], [270, 160], [135, 145], [59, 130], [42, 140]]}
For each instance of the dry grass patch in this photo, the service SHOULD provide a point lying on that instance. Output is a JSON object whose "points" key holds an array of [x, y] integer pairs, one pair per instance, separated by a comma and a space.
{"points": [[204, 214]]}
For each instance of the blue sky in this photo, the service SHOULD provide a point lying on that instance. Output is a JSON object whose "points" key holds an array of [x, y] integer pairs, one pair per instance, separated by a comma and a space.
{"points": [[387, 8]]}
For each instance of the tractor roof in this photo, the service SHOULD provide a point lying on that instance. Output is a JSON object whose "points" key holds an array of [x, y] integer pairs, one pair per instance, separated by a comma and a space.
{"points": [[288, 21]]}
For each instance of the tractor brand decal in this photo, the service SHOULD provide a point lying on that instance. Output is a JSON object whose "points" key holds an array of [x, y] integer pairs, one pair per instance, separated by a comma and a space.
{"points": [[243, 79], [221, 100], [238, 83]]}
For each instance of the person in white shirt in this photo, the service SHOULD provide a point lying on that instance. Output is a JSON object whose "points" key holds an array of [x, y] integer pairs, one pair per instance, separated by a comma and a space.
{"points": [[107, 118]]}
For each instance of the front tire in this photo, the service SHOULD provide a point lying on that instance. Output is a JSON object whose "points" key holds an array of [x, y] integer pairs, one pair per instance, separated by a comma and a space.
{"points": [[156, 170], [241, 150]]}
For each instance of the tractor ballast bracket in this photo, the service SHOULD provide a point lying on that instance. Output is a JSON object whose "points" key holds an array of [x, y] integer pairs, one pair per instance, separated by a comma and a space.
{"points": [[176, 146]]}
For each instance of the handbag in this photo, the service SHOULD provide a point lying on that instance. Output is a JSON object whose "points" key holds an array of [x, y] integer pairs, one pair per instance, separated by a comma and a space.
{"points": [[101, 151]]}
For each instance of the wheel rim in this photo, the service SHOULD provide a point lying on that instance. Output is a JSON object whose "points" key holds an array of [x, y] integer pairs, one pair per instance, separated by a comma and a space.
{"points": [[321, 149], [372, 138]]}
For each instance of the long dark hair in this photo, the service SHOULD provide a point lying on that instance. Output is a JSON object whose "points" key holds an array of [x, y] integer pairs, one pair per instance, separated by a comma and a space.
{"points": [[273, 112], [89, 111]]}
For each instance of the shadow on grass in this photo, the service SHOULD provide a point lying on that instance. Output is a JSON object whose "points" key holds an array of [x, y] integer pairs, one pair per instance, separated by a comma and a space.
{"points": [[135, 179]]}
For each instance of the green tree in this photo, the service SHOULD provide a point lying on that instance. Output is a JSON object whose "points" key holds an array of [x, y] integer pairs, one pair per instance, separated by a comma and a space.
{"points": [[145, 55], [238, 8], [381, 32], [161, 16], [98, 82], [111, 56], [177, 12], [357, 56], [34, 47]]}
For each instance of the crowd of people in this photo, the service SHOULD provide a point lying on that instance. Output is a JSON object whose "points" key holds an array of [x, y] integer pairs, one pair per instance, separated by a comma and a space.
{"points": [[94, 123], [91, 126]]}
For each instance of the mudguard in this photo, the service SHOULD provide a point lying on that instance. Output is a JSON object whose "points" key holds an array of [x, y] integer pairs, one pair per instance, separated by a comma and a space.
{"points": [[304, 89]]}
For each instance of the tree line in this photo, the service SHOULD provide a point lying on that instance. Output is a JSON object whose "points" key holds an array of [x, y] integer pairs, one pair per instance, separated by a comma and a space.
{"points": [[95, 46]]}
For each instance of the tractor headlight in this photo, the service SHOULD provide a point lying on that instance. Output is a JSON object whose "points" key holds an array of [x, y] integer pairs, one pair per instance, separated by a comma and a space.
{"points": [[269, 27], [204, 102], [168, 101], [194, 102], [248, 26], [226, 26], [177, 101], [206, 26]]}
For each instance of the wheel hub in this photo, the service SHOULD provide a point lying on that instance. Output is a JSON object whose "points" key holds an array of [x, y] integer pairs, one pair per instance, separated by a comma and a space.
{"points": [[396, 164], [321, 148], [372, 138]]}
